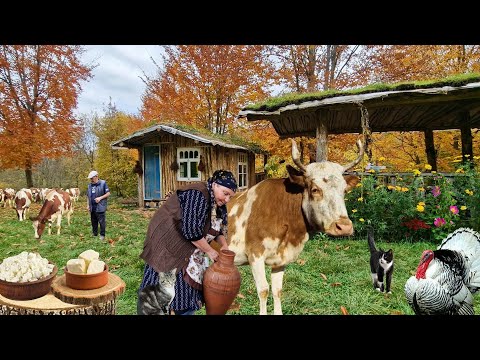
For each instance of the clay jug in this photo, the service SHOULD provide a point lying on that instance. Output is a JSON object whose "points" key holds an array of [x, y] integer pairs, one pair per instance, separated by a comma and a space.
{"points": [[221, 283]]}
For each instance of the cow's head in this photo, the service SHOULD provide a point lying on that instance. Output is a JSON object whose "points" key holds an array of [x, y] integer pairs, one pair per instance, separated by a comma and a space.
{"points": [[38, 226], [324, 191]]}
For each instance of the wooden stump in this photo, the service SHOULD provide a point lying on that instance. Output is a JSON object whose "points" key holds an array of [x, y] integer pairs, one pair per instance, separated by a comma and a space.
{"points": [[65, 301]]}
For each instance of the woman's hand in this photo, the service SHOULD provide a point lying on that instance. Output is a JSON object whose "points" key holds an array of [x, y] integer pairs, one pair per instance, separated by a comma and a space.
{"points": [[212, 254]]}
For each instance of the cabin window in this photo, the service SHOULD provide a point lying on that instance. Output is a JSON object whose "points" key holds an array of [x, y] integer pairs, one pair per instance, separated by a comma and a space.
{"points": [[242, 170], [188, 159]]}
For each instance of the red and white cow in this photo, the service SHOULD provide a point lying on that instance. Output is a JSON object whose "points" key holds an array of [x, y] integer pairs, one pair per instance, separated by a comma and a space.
{"points": [[74, 193], [56, 205], [22, 200], [269, 223], [9, 195]]}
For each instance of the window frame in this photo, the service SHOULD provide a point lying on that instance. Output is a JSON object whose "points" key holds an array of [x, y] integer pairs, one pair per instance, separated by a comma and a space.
{"points": [[188, 160], [242, 169]]}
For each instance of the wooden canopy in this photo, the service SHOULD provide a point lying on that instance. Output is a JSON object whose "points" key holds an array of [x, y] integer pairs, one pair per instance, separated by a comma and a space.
{"points": [[420, 109]]}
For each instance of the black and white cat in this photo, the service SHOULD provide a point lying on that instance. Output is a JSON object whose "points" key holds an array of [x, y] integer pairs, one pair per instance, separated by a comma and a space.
{"points": [[381, 265], [156, 299]]}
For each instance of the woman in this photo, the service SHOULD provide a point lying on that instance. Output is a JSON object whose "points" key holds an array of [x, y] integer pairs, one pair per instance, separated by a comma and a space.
{"points": [[178, 237]]}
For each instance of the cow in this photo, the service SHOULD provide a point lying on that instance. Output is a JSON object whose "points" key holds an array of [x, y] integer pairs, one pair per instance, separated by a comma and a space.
{"points": [[56, 205], [74, 193], [270, 223], [9, 195], [22, 200]]}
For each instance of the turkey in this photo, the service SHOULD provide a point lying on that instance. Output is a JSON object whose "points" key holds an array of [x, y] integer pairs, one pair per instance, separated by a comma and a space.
{"points": [[447, 278]]}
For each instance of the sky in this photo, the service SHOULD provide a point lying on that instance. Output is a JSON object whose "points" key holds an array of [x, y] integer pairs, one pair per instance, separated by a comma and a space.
{"points": [[117, 76]]}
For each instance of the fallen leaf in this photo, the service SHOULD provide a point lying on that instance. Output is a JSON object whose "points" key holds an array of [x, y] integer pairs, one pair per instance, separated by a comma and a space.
{"points": [[346, 248], [343, 310], [235, 306], [323, 276], [336, 284], [301, 262], [337, 247], [396, 312], [241, 296]]}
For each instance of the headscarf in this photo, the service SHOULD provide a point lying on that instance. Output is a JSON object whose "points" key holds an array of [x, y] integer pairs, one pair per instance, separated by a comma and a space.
{"points": [[225, 178]]}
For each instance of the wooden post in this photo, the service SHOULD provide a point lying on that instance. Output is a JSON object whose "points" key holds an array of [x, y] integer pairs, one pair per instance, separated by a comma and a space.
{"points": [[430, 149], [466, 135], [322, 136], [140, 179]]}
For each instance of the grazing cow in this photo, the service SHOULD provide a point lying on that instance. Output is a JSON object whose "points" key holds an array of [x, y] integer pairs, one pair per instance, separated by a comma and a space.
{"points": [[269, 223], [74, 193], [23, 199], [57, 204], [9, 195]]}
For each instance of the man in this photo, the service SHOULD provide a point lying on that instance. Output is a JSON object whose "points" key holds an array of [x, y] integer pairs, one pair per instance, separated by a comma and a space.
{"points": [[97, 195]]}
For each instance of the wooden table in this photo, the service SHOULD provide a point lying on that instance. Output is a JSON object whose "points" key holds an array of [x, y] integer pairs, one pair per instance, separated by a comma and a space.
{"points": [[63, 300]]}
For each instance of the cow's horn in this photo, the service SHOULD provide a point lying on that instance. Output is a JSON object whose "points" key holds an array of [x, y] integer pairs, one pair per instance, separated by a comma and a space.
{"points": [[296, 156], [361, 151]]}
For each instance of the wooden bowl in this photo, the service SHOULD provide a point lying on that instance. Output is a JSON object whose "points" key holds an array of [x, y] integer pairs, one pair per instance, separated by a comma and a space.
{"points": [[86, 281], [28, 290]]}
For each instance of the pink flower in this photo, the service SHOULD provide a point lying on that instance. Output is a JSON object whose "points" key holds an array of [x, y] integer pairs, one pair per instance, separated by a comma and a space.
{"points": [[439, 222], [436, 191], [454, 209]]}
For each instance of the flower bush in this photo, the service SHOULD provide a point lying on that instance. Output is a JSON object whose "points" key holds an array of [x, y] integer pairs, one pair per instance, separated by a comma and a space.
{"points": [[416, 207]]}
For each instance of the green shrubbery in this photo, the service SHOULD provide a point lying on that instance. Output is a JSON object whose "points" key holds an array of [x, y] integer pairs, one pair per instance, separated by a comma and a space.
{"points": [[417, 207]]}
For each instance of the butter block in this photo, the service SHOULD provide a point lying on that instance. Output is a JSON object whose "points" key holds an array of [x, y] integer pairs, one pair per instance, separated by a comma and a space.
{"points": [[95, 267], [88, 256], [77, 266]]}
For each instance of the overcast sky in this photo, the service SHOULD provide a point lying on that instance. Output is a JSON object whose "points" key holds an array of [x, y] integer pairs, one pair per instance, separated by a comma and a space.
{"points": [[117, 77]]}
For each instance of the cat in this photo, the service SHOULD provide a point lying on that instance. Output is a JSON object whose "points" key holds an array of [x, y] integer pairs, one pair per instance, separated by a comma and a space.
{"points": [[381, 265], [156, 299]]}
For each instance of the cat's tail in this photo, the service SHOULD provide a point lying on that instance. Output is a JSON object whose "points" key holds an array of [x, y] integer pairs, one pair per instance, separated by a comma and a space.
{"points": [[371, 241]]}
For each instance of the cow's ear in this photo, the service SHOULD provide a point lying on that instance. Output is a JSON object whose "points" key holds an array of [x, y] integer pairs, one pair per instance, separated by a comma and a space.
{"points": [[352, 181], [296, 176]]}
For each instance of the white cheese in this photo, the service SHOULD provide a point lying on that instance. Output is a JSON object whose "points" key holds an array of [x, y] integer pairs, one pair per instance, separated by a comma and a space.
{"points": [[89, 255], [95, 267], [77, 266]]}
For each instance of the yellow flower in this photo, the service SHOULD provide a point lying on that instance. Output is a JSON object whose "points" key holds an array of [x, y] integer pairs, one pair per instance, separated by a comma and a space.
{"points": [[359, 185], [420, 208], [360, 199], [416, 172], [361, 219], [428, 167], [398, 188], [371, 171], [421, 189], [467, 155], [354, 210], [459, 171], [421, 203], [381, 158], [390, 187], [404, 189], [463, 207], [476, 157], [469, 192], [434, 172], [456, 161]]}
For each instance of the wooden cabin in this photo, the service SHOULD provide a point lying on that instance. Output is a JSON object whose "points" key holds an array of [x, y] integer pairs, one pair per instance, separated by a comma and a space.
{"points": [[170, 157]]}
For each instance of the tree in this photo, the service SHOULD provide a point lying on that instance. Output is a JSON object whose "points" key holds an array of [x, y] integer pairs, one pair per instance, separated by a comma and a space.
{"points": [[205, 86], [39, 88]]}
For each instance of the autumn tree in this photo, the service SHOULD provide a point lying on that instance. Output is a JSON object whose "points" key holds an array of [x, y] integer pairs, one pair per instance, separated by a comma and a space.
{"points": [[116, 166], [205, 86], [39, 88]]}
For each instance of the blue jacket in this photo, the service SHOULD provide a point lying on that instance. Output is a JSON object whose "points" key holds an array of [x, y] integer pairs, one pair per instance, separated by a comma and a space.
{"points": [[101, 188]]}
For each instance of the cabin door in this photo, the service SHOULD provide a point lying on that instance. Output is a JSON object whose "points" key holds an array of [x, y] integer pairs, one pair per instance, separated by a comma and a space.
{"points": [[151, 156]]}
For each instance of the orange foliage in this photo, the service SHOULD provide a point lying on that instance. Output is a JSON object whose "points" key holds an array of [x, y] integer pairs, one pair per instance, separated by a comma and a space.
{"points": [[39, 88], [205, 86]]}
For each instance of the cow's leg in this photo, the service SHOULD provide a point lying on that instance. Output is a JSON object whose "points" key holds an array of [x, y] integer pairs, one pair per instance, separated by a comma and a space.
{"points": [[277, 281], [59, 223], [49, 228], [258, 271]]}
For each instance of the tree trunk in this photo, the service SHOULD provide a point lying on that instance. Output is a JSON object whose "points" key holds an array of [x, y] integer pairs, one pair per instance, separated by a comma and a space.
{"points": [[28, 173]]}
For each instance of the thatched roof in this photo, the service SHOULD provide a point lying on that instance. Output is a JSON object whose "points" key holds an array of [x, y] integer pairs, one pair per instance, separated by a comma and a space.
{"points": [[150, 134], [450, 103]]}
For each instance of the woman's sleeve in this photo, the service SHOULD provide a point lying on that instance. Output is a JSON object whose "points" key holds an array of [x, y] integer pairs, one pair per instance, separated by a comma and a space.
{"points": [[194, 214]]}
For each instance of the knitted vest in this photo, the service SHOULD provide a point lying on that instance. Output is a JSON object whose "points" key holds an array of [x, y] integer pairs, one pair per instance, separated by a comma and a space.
{"points": [[165, 247]]}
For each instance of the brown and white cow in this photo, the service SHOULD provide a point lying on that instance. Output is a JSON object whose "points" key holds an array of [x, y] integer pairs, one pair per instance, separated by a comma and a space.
{"points": [[269, 223], [74, 193], [22, 200], [9, 195], [56, 205]]}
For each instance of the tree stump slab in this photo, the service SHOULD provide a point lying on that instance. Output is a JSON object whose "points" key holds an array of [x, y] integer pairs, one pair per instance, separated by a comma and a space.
{"points": [[108, 293]]}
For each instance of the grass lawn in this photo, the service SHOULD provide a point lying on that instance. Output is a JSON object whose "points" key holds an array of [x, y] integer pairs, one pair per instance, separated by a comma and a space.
{"points": [[328, 275]]}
